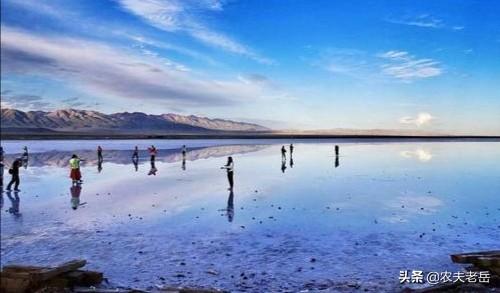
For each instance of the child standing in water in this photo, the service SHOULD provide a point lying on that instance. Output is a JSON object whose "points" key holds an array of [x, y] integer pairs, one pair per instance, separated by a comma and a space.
{"points": [[230, 171], [75, 173]]}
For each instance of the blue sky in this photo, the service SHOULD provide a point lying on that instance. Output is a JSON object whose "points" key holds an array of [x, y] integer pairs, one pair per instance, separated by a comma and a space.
{"points": [[416, 65]]}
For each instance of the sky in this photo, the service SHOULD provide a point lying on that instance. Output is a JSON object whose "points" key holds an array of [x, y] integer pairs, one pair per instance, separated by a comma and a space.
{"points": [[298, 64]]}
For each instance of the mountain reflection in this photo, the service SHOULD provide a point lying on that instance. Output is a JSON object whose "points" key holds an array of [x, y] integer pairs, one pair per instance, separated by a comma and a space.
{"points": [[61, 159]]}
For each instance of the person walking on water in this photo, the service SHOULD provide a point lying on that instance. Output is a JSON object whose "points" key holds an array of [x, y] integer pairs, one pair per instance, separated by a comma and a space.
{"points": [[14, 172], [230, 172], [135, 155], [283, 153], [75, 174], [99, 154], [152, 152]]}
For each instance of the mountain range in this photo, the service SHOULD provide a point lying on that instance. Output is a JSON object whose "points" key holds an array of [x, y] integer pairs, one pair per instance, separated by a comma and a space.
{"points": [[69, 120]]}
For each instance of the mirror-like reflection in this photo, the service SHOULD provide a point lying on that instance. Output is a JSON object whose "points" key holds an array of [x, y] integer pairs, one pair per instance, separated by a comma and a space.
{"points": [[153, 169], [75, 191], [135, 162], [382, 211], [230, 206], [15, 201]]}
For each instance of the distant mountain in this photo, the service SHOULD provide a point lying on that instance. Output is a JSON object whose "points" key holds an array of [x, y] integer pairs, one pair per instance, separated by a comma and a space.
{"points": [[136, 122]]}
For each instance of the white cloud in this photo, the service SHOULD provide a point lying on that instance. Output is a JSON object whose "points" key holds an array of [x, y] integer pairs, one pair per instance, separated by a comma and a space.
{"points": [[102, 70], [423, 20], [178, 16], [420, 120], [420, 154], [407, 68]]}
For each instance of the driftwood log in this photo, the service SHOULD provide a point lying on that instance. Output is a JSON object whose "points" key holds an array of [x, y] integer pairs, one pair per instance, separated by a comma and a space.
{"points": [[19, 278]]}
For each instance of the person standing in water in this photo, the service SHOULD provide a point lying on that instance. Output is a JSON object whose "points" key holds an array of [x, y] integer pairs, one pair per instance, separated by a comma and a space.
{"points": [[337, 163], [14, 172], [99, 154], [75, 174], [230, 172], [152, 152], [184, 151], [291, 149], [135, 155], [283, 153]]}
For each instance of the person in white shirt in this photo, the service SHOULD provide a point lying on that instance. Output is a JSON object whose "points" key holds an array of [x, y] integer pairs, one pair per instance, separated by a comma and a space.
{"points": [[230, 171]]}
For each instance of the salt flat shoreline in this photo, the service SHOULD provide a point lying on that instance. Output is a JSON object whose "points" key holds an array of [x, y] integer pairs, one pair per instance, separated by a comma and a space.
{"points": [[250, 136]]}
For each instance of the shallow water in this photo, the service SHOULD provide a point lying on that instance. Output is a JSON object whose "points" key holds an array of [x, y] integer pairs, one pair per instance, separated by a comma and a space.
{"points": [[385, 207]]}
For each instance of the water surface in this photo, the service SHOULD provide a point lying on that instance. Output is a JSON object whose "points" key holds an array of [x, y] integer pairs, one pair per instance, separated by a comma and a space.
{"points": [[345, 223]]}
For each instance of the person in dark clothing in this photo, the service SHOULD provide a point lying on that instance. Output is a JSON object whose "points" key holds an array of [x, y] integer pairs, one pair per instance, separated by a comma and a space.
{"points": [[14, 171], [152, 152], [230, 172], [184, 151], [291, 149], [283, 153], [99, 154], [135, 155], [337, 163]]}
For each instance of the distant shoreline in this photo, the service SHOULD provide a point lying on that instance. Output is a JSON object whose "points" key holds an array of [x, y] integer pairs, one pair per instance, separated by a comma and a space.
{"points": [[46, 136]]}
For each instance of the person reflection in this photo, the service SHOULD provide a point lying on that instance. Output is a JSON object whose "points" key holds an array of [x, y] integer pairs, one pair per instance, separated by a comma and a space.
{"points": [[230, 206], [15, 201], [291, 160], [25, 153], [99, 166], [153, 169], [183, 163], [283, 165], [135, 161], [25, 158], [25, 163], [75, 191]]}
